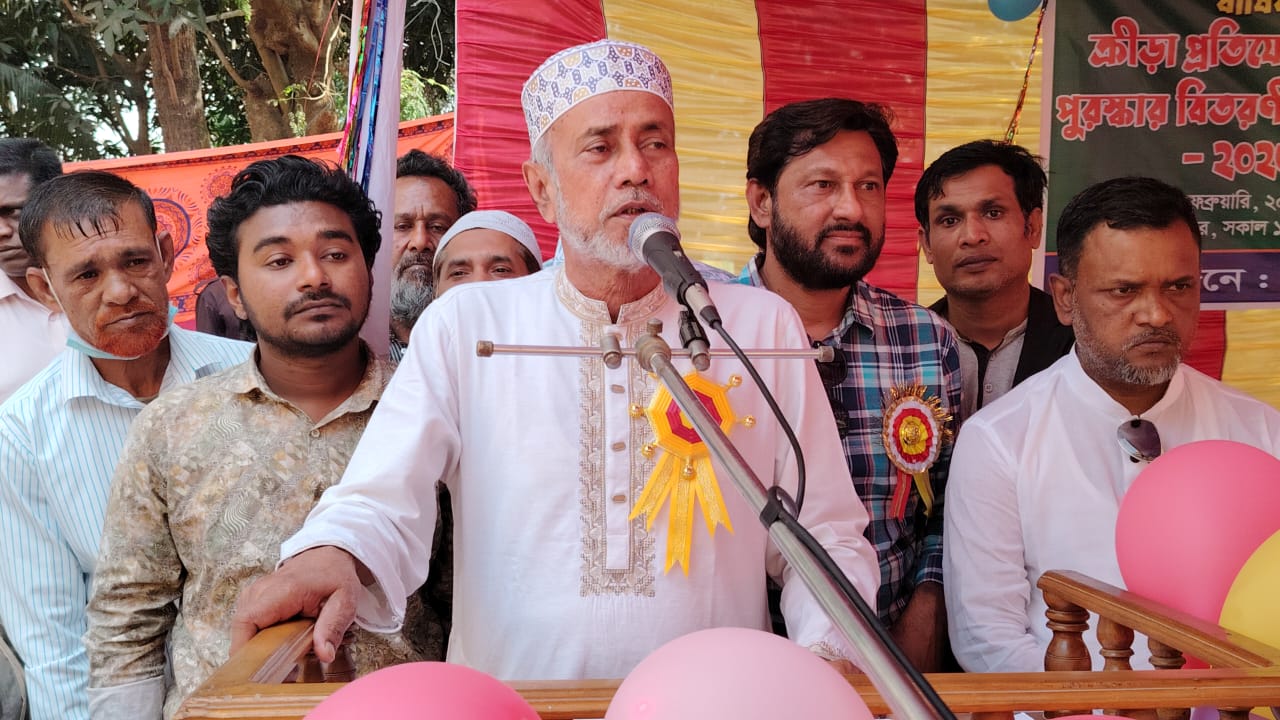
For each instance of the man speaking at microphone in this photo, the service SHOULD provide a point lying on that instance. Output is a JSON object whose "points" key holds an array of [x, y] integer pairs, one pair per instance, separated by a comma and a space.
{"points": [[565, 567]]}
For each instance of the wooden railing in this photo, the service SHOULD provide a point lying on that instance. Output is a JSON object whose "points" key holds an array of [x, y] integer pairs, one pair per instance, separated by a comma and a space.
{"points": [[1245, 673]]}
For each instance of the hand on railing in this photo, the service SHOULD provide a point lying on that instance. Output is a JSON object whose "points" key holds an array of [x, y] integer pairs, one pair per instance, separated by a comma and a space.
{"points": [[323, 583]]}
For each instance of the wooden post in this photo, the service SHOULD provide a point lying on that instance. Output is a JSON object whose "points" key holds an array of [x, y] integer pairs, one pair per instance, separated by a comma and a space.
{"points": [[1117, 644], [1066, 650], [1117, 647], [1165, 657]]}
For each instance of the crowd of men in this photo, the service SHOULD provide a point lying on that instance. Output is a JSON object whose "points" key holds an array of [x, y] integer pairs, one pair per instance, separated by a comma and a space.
{"points": [[165, 494]]}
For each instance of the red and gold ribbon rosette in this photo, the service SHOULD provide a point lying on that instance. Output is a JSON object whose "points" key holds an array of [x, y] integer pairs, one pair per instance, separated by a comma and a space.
{"points": [[914, 430], [683, 474]]}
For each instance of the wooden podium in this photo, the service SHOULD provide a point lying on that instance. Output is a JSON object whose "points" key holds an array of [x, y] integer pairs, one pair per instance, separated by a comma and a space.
{"points": [[1244, 672]]}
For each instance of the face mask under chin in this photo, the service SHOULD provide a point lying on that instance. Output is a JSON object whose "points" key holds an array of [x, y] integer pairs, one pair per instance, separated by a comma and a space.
{"points": [[79, 344]]}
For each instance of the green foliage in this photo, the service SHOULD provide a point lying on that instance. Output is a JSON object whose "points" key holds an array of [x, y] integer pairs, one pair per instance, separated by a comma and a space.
{"points": [[223, 99], [69, 71], [56, 81], [429, 50], [413, 96]]}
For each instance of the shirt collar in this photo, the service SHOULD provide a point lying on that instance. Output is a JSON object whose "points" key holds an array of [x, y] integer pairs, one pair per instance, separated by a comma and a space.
{"points": [[597, 311], [8, 286], [1093, 393], [860, 308], [750, 274], [1014, 333], [82, 379], [246, 379]]}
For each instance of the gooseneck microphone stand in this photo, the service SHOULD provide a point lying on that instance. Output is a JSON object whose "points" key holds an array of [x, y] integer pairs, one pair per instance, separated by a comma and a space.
{"points": [[908, 700]]}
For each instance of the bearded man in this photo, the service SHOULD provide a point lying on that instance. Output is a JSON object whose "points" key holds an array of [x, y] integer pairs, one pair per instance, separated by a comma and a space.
{"points": [[1038, 475], [556, 574], [816, 177]]}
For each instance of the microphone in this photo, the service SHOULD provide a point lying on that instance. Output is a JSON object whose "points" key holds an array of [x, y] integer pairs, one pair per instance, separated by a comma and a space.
{"points": [[655, 240], [694, 340]]}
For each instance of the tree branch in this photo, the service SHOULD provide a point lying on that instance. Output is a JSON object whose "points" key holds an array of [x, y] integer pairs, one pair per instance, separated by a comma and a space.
{"points": [[224, 16], [224, 60], [77, 17]]}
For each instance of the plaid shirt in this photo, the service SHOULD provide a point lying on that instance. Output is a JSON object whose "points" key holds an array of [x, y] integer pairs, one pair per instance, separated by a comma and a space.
{"points": [[889, 343]]}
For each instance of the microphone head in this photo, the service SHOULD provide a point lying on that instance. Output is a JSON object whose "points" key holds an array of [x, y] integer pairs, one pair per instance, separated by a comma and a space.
{"points": [[645, 226]]}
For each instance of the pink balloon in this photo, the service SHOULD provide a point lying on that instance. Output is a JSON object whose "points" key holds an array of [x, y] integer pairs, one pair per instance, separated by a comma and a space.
{"points": [[1192, 519], [1095, 717], [425, 691], [734, 674], [1205, 712]]}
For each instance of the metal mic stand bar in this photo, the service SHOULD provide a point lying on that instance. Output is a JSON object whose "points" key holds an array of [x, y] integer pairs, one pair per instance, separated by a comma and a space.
{"points": [[485, 348], [654, 355], [902, 696]]}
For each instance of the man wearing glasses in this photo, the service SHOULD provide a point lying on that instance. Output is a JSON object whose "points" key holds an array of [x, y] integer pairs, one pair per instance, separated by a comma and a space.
{"points": [[1037, 476], [816, 175]]}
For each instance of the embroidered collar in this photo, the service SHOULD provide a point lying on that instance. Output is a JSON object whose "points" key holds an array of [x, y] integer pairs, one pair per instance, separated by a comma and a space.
{"points": [[596, 311]]}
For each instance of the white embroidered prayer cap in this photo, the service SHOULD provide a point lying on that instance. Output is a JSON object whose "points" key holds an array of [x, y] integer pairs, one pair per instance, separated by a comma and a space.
{"points": [[584, 71], [500, 220]]}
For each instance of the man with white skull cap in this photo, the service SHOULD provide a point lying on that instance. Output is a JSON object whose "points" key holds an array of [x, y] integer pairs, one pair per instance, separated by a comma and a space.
{"points": [[485, 245], [560, 568]]}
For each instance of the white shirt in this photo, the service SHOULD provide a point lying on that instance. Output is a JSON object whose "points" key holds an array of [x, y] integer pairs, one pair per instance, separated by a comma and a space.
{"points": [[60, 437], [31, 334], [542, 456], [1036, 483]]}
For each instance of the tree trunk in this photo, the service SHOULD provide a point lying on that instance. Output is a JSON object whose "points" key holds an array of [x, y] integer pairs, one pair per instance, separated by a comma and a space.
{"points": [[266, 121], [175, 75], [295, 40], [135, 90]]}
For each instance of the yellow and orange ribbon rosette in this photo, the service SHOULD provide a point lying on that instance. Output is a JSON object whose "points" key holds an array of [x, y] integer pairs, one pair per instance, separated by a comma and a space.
{"points": [[683, 476], [914, 430]]}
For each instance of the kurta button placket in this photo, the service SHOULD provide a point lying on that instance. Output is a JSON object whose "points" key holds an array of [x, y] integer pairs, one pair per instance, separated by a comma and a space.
{"points": [[617, 462]]}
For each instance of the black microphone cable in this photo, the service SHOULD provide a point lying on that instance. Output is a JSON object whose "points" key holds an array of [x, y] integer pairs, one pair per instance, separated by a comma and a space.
{"points": [[798, 503], [782, 508]]}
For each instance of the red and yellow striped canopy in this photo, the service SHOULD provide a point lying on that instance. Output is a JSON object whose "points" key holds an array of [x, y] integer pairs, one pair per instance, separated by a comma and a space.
{"points": [[949, 69]]}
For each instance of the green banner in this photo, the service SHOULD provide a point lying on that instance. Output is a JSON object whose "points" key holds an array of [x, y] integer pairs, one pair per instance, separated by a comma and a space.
{"points": [[1186, 92]]}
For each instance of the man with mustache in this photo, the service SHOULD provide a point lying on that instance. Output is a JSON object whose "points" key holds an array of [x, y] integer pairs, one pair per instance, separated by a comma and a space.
{"points": [[217, 474], [981, 209], [97, 257], [1037, 476], [430, 196], [816, 176], [557, 575]]}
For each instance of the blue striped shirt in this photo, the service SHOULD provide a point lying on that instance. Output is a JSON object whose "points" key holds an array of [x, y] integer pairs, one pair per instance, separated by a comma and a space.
{"points": [[60, 437]]}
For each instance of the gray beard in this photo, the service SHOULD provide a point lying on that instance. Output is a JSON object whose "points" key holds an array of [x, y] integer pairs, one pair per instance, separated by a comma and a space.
{"points": [[409, 298], [596, 246], [1115, 368]]}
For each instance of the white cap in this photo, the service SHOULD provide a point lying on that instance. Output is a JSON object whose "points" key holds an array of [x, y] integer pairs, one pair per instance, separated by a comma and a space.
{"points": [[584, 71], [500, 220]]}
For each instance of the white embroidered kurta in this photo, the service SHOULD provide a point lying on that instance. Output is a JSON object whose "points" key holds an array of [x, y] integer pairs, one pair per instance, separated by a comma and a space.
{"points": [[542, 455], [1036, 483]]}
